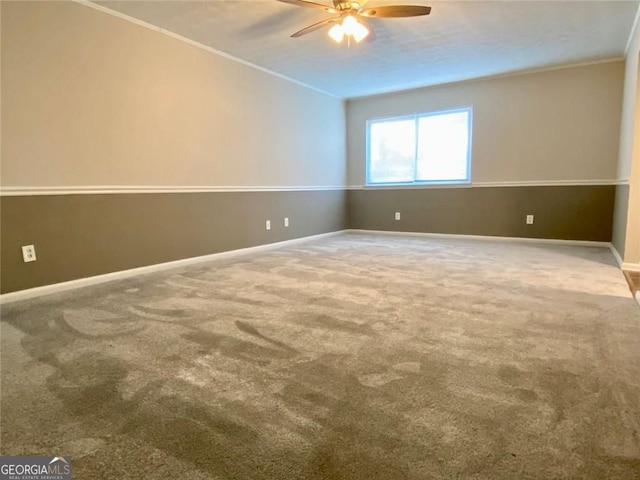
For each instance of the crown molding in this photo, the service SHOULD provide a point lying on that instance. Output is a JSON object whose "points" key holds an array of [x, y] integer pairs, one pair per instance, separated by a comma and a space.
{"points": [[202, 46], [495, 76], [634, 26]]}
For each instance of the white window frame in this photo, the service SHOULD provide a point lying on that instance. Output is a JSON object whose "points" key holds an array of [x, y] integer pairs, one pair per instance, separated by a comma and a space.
{"points": [[416, 117]]}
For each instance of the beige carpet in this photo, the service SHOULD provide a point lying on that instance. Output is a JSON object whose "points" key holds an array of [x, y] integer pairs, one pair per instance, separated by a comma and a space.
{"points": [[355, 357]]}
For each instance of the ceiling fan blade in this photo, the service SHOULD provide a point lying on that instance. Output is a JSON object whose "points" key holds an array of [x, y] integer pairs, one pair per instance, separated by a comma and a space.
{"points": [[305, 3], [314, 27], [397, 11]]}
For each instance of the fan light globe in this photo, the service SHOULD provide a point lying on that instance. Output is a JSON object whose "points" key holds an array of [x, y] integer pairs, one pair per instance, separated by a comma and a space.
{"points": [[351, 28], [360, 32], [349, 24], [337, 33]]}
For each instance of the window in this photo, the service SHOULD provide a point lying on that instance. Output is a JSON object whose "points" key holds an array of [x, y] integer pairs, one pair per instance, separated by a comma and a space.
{"points": [[420, 149]]}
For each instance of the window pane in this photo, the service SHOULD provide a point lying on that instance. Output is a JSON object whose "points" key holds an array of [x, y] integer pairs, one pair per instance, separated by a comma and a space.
{"points": [[392, 151], [443, 147]]}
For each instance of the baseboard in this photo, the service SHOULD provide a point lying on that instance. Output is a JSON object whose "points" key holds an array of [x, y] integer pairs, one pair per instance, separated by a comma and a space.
{"points": [[628, 266], [616, 255], [133, 272], [109, 277], [551, 241]]}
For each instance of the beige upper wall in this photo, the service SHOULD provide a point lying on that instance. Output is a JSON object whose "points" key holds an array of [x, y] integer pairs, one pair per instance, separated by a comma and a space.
{"points": [[629, 162], [546, 126], [92, 99], [632, 246], [629, 105]]}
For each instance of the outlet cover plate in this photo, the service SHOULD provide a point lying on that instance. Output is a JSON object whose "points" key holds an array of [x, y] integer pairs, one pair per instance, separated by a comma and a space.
{"points": [[529, 219], [397, 215], [29, 253], [286, 221], [268, 225]]}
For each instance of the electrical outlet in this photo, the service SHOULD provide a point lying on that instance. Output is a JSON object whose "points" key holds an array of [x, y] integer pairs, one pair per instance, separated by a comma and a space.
{"points": [[397, 215], [29, 253], [529, 219], [268, 225], [286, 221]]}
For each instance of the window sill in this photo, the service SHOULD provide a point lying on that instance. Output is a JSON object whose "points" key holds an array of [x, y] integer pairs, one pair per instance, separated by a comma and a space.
{"points": [[395, 186]]}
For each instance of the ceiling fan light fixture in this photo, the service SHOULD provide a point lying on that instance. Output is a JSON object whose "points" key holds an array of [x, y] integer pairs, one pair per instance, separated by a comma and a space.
{"points": [[349, 27], [360, 32], [349, 24], [348, 12], [336, 33]]}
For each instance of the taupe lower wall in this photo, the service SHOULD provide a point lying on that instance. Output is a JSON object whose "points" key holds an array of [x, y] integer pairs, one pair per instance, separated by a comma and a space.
{"points": [[561, 212], [620, 212], [78, 236]]}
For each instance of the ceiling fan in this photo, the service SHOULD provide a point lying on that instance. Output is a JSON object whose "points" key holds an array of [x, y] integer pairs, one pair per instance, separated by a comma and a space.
{"points": [[350, 17]]}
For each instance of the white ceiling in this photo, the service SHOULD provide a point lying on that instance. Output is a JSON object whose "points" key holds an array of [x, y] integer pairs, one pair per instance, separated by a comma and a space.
{"points": [[458, 41]]}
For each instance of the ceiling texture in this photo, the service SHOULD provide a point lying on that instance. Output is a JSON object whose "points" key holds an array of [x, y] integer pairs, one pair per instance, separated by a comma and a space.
{"points": [[458, 41]]}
